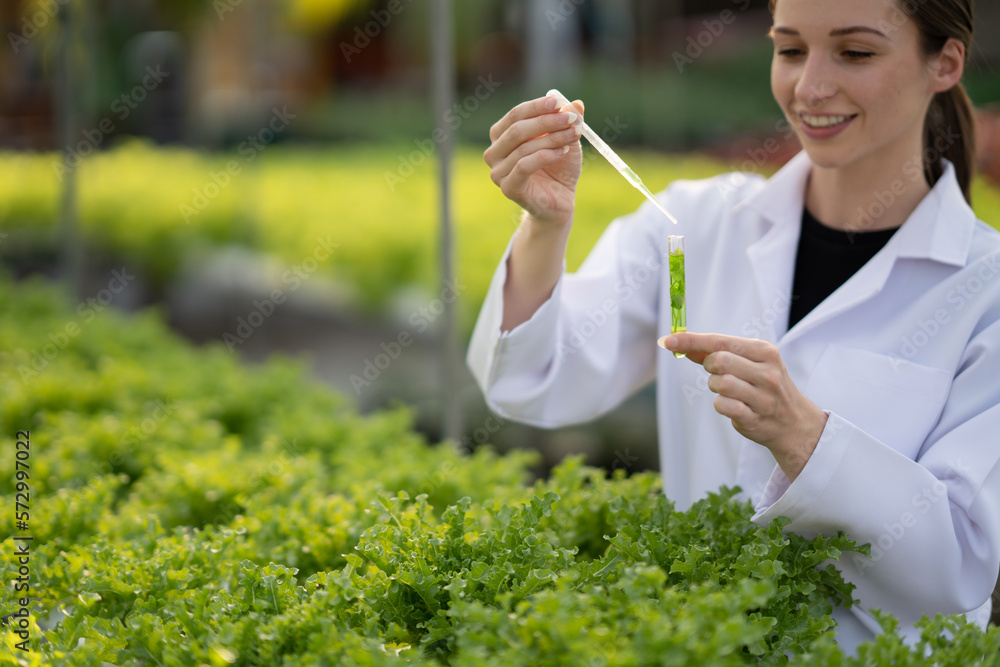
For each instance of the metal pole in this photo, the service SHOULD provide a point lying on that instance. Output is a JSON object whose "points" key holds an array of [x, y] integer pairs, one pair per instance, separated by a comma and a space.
{"points": [[443, 84], [71, 250]]}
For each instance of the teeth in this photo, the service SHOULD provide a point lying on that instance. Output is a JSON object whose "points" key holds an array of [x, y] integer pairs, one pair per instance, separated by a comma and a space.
{"points": [[822, 121]]}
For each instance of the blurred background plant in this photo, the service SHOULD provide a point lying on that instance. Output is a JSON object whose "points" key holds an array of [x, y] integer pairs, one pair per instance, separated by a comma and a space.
{"points": [[213, 144]]}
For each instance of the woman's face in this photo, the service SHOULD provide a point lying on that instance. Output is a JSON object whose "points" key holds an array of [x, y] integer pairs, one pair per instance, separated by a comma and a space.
{"points": [[850, 78]]}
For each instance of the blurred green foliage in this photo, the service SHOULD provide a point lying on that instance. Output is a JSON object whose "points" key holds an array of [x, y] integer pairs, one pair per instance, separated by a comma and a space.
{"points": [[185, 509], [379, 203]]}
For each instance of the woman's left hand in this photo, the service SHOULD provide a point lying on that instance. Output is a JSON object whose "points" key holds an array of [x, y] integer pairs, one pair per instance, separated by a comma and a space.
{"points": [[756, 393]]}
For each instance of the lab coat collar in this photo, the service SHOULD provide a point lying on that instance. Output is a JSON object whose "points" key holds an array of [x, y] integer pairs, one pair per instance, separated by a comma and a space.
{"points": [[781, 198], [941, 226], [940, 229], [779, 202]]}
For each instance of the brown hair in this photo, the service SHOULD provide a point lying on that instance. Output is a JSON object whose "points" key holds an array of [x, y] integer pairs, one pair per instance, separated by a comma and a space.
{"points": [[950, 112]]}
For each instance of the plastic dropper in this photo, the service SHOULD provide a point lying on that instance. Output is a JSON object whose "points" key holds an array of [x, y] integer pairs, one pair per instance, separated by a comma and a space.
{"points": [[612, 157]]}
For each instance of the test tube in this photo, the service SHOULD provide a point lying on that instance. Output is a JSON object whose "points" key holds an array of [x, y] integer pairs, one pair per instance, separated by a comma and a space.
{"points": [[678, 306]]}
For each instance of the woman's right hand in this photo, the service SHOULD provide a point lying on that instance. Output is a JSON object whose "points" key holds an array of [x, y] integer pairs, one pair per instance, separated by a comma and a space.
{"points": [[535, 157]]}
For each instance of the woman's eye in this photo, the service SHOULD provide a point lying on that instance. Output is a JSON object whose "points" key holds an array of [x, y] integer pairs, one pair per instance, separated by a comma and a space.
{"points": [[789, 52], [858, 55]]}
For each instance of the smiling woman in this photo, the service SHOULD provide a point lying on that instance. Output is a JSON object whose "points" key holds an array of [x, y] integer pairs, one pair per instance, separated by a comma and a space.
{"points": [[872, 95], [831, 416]]}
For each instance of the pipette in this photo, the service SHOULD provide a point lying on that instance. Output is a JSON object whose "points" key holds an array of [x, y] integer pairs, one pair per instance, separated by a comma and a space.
{"points": [[612, 157]]}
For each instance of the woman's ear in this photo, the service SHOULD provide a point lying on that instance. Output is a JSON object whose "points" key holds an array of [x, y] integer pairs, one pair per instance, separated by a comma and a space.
{"points": [[947, 66]]}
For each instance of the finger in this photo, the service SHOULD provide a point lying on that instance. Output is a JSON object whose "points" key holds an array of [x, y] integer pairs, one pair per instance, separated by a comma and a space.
{"points": [[524, 131], [732, 408], [515, 181], [693, 343], [735, 388], [532, 110], [696, 357], [575, 107], [670, 343], [529, 109], [560, 139], [765, 376], [724, 362]]}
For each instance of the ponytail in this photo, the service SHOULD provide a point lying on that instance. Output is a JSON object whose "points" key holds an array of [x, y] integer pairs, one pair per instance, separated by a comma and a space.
{"points": [[950, 132], [950, 124]]}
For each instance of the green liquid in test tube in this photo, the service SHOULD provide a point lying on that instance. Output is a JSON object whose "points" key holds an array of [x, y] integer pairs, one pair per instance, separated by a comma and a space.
{"points": [[678, 305]]}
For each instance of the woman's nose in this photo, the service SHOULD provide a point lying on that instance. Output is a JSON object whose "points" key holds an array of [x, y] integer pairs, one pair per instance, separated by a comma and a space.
{"points": [[816, 83]]}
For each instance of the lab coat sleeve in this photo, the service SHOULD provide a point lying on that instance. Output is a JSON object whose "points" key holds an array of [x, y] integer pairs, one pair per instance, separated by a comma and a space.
{"points": [[933, 523], [589, 346]]}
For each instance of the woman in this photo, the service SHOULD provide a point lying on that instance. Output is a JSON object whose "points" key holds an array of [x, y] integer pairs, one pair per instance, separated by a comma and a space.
{"points": [[852, 379]]}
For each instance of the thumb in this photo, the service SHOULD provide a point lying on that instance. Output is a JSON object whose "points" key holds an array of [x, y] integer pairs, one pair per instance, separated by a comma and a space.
{"points": [[579, 105]]}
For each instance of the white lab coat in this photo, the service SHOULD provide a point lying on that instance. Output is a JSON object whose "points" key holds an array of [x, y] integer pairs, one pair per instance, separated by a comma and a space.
{"points": [[904, 358]]}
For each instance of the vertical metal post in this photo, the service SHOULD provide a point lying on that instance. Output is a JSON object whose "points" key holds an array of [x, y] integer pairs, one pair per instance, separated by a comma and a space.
{"points": [[443, 84], [71, 250]]}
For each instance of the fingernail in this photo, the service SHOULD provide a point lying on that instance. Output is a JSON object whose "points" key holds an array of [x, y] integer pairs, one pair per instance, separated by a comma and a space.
{"points": [[667, 342], [578, 128], [569, 117], [550, 103]]}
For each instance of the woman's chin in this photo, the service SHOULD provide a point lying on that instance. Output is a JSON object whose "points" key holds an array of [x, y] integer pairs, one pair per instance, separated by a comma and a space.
{"points": [[824, 158]]}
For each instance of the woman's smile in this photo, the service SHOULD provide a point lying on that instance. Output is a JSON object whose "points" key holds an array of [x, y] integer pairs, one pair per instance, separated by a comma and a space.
{"points": [[824, 126]]}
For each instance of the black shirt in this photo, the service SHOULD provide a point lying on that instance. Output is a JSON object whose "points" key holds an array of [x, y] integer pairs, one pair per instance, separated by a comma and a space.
{"points": [[826, 258]]}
